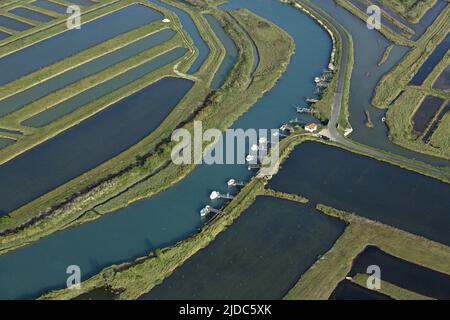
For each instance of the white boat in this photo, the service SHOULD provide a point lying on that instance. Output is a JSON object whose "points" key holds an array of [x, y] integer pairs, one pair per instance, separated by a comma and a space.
{"points": [[205, 211]]}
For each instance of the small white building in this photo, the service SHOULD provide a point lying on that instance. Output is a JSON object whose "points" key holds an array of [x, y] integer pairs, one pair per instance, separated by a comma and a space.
{"points": [[312, 127], [166, 20]]}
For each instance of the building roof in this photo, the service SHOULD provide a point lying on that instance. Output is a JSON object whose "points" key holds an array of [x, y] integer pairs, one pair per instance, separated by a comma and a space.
{"points": [[311, 126]]}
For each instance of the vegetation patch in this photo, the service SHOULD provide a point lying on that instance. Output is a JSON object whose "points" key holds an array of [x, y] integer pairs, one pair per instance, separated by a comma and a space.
{"points": [[413, 10], [320, 280], [401, 125]]}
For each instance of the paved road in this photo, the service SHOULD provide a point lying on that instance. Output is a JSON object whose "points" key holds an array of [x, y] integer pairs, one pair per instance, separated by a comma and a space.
{"points": [[332, 131]]}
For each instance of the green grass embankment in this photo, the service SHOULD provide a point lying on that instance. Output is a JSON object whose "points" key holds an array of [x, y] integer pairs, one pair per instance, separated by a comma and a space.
{"points": [[390, 290], [407, 31], [323, 277], [386, 55], [412, 10], [400, 123]]}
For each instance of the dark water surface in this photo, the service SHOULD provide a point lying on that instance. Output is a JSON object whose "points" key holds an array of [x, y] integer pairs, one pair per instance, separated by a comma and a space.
{"points": [[404, 274], [85, 3], [371, 188], [4, 35], [14, 24], [426, 21], [4, 142], [260, 256], [191, 27], [60, 110], [59, 47], [436, 123], [88, 144], [426, 113], [443, 82]]}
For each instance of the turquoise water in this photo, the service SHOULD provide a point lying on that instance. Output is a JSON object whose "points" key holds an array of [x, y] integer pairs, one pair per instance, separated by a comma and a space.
{"points": [[45, 88], [88, 144], [59, 47], [174, 214], [231, 53]]}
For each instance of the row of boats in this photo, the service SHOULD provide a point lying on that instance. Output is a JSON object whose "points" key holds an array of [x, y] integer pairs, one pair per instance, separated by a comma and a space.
{"points": [[322, 82]]}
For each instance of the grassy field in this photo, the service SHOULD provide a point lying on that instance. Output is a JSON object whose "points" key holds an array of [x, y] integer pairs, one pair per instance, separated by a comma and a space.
{"points": [[413, 10], [399, 120], [148, 178], [440, 138]]}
